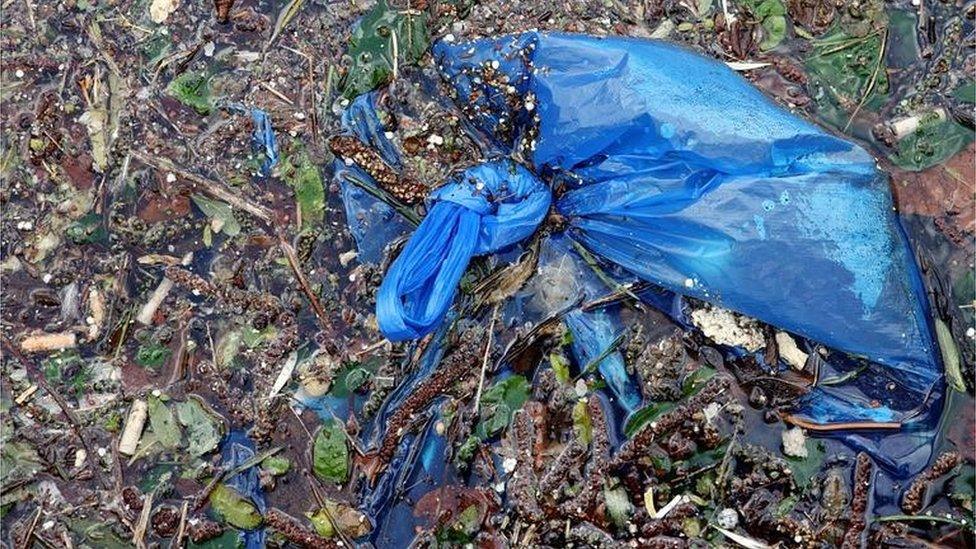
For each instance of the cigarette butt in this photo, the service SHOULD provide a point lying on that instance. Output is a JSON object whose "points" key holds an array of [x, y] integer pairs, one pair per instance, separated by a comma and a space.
{"points": [[133, 428], [40, 343]]}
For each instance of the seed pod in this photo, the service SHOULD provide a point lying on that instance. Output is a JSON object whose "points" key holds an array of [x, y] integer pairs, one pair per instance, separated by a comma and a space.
{"points": [[223, 10]]}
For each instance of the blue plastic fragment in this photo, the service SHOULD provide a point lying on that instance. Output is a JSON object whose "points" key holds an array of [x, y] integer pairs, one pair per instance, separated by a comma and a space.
{"points": [[362, 119], [264, 140], [237, 449], [372, 222]]}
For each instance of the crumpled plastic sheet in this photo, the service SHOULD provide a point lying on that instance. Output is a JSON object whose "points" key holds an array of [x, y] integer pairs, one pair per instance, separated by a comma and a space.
{"points": [[236, 449], [373, 223], [563, 279]]}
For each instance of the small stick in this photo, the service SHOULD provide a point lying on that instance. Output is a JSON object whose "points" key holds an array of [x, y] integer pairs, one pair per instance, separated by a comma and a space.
{"points": [[484, 363], [30, 529], [303, 282], [139, 532], [178, 540], [26, 394], [213, 188], [277, 93]]}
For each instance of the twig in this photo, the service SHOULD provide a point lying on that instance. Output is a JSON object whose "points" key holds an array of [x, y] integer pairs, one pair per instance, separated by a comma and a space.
{"points": [[908, 518], [257, 459], [484, 362], [277, 93], [872, 81], [592, 263], [213, 188], [139, 532], [593, 364], [178, 540], [30, 529], [303, 282]]}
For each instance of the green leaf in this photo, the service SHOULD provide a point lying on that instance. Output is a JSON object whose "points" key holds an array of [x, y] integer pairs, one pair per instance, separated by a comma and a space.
{"points": [[304, 178], [67, 367], [234, 508], [560, 366], [193, 90], [87, 230], [950, 356], [203, 429], [356, 378], [786, 506], [350, 521], [961, 488], [694, 381], [284, 17], [276, 465], [220, 214], [581, 422], [804, 469], [501, 400], [933, 142], [97, 534], [158, 478], [252, 338], [644, 416], [372, 46], [330, 453], [20, 461], [163, 423], [228, 347], [775, 28], [966, 91], [152, 355]]}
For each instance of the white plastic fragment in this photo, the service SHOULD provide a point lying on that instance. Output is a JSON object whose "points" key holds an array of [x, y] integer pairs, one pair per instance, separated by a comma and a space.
{"points": [[745, 65], [160, 10], [675, 501], [795, 443], [789, 351], [508, 464], [346, 257], [284, 376]]}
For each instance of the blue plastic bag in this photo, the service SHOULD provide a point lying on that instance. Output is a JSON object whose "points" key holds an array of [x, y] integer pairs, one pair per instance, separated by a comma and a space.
{"points": [[682, 173], [676, 169]]}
